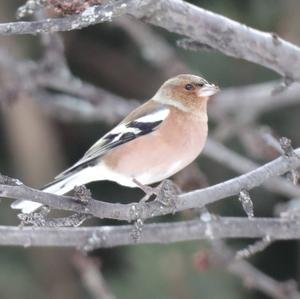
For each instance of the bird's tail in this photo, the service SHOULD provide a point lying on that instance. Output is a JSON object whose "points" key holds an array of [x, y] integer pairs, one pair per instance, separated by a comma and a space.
{"points": [[59, 186]]}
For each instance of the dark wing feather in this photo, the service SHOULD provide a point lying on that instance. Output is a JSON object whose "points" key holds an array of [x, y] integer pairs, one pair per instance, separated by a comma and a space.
{"points": [[122, 133]]}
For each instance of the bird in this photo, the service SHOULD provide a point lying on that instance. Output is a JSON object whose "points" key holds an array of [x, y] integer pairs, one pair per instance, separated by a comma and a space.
{"points": [[155, 141]]}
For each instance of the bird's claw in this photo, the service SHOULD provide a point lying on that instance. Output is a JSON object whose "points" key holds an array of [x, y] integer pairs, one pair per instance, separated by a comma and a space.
{"points": [[167, 194], [82, 194]]}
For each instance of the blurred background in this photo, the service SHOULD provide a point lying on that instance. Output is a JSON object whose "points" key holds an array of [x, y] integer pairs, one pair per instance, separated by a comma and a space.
{"points": [[38, 140]]}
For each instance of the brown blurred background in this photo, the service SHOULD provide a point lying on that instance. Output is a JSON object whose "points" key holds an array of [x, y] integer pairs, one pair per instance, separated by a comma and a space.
{"points": [[35, 145]]}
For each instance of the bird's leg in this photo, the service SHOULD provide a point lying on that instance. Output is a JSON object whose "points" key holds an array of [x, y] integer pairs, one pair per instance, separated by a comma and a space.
{"points": [[166, 192], [148, 190]]}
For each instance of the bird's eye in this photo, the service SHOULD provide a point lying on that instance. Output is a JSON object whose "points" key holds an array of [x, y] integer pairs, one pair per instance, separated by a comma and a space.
{"points": [[189, 87]]}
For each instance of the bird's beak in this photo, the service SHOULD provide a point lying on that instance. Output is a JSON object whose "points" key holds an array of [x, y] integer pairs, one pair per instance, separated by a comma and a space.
{"points": [[208, 90]]}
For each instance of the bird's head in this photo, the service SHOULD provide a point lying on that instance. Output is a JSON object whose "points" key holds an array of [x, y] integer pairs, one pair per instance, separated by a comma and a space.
{"points": [[186, 92]]}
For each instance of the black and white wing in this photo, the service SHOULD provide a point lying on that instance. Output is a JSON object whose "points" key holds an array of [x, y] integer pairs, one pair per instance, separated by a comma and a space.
{"points": [[126, 131]]}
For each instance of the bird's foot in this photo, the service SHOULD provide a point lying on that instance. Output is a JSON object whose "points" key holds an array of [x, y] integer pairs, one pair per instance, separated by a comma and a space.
{"points": [[167, 194], [82, 194]]}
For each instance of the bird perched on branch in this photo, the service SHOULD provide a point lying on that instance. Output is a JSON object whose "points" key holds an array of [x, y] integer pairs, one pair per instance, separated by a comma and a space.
{"points": [[152, 143]]}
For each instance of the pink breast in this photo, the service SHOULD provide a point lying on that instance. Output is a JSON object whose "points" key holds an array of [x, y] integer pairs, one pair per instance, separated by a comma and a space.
{"points": [[159, 155]]}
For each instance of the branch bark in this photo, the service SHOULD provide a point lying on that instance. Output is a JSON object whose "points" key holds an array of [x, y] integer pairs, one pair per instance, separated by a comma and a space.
{"points": [[129, 212], [177, 16], [92, 15], [225, 35], [219, 153], [164, 233]]}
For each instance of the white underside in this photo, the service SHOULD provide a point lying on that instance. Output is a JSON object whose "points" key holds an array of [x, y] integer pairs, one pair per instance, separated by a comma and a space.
{"points": [[97, 173]]}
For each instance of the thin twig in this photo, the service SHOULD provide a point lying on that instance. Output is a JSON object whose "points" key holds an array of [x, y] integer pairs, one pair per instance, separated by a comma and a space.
{"points": [[252, 249], [253, 278], [92, 277], [221, 154]]}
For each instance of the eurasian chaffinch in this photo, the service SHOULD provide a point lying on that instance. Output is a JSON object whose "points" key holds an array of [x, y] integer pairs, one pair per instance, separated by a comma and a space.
{"points": [[152, 143]]}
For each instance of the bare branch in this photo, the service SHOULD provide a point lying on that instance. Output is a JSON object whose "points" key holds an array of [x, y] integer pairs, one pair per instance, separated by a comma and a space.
{"points": [[153, 47], [64, 7], [253, 99], [92, 277], [245, 199], [92, 15], [177, 16], [82, 101], [254, 248], [290, 209], [253, 278], [204, 30], [219, 153], [194, 199], [226, 35], [163, 233]]}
